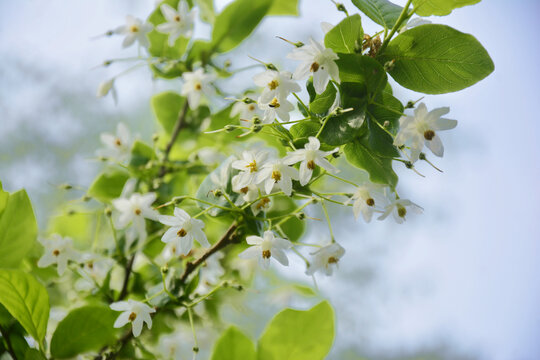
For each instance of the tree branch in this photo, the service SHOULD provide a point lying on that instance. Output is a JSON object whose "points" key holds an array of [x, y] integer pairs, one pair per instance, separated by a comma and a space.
{"points": [[225, 240], [129, 268], [180, 124]]}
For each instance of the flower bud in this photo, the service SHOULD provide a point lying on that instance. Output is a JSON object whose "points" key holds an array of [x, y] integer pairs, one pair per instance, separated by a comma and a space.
{"points": [[301, 216], [217, 193], [86, 198], [410, 105], [227, 63], [108, 211], [230, 128], [178, 200], [104, 88], [66, 187], [155, 137], [336, 154], [164, 269], [256, 128], [247, 100]]}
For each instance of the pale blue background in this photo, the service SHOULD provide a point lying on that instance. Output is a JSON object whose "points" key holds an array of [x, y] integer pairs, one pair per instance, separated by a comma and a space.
{"points": [[461, 280]]}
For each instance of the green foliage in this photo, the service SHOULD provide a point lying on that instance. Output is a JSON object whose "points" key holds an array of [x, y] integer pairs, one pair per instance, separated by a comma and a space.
{"points": [[298, 335], [166, 107], [141, 153], [108, 185], [236, 22], [346, 37], [78, 226], [284, 7], [18, 227], [321, 103], [26, 300], [206, 10], [379, 140], [379, 168], [440, 7], [386, 108], [82, 330], [383, 12], [363, 70], [234, 345], [437, 59]]}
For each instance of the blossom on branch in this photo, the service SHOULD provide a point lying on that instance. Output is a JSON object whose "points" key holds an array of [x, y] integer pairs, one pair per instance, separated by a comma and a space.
{"points": [[134, 30], [183, 231], [135, 312], [58, 250], [263, 248], [178, 22], [325, 259]]}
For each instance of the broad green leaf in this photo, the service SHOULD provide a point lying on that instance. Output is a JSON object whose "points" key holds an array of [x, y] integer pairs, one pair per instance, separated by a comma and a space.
{"points": [[379, 140], [437, 59], [234, 345], [33, 354], [26, 300], [439, 7], [167, 107], [82, 330], [108, 185], [284, 7], [322, 102], [304, 129], [159, 46], [206, 10], [383, 12], [387, 110], [78, 226], [236, 22], [298, 335], [141, 153], [364, 70], [293, 227], [18, 228], [346, 36], [379, 168], [342, 129]]}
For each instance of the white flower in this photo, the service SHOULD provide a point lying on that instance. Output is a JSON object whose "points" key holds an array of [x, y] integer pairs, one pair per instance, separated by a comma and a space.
{"points": [[58, 250], [246, 111], [368, 198], [262, 205], [184, 229], [134, 30], [277, 173], [420, 129], [135, 209], [196, 84], [94, 270], [309, 157], [248, 194], [398, 209], [211, 272], [277, 107], [317, 61], [325, 259], [178, 22], [117, 147], [222, 180], [134, 312], [266, 247], [275, 84], [249, 166]]}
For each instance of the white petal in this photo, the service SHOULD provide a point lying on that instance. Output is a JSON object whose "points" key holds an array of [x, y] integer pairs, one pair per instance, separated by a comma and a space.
{"points": [[122, 319], [183, 215], [254, 240], [305, 173], [137, 325], [436, 146], [120, 306], [251, 252], [280, 256], [169, 220]]}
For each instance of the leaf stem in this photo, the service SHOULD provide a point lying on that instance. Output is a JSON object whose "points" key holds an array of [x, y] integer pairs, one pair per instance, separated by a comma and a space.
{"points": [[404, 14]]}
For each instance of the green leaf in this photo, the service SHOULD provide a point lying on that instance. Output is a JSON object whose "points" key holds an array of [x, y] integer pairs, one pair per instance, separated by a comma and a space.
{"points": [[293, 227], [439, 7], [385, 108], [379, 140], [141, 153], [379, 168], [322, 102], [18, 228], [108, 185], [234, 345], [82, 330], [299, 335], [364, 70], [343, 128], [346, 36], [166, 107], [159, 46], [284, 7], [236, 22], [437, 59], [26, 300], [383, 12], [33, 354], [206, 10]]}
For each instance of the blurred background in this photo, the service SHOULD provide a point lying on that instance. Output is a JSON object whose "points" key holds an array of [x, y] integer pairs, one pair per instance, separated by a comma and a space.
{"points": [[460, 281]]}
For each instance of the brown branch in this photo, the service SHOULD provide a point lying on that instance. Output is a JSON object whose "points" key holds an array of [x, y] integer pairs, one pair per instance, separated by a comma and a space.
{"points": [[129, 268], [225, 240], [180, 124]]}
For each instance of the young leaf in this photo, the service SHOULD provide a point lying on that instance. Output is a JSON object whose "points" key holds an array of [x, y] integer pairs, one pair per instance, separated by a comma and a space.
{"points": [[206, 10], [26, 300], [84, 329], [234, 345], [346, 36], [284, 7], [299, 335], [439, 7], [108, 185], [356, 68], [18, 227], [235, 23], [167, 106], [379, 168], [383, 12], [322, 102], [437, 59]]}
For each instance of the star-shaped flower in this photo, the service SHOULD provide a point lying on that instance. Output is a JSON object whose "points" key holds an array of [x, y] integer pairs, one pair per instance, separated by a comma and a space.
{"points": [[196, 84], [277, 173], [309, 158], [368, 198], [399, 209], [135, 312], [58, 250], [134, 209], [263, 248], [325, 259], [117, 147], [178, 22], [422, 128], [183, 230], [277, 107], [317, 61], [275, 84], [134, 30], [249, 165], [246, 110]]}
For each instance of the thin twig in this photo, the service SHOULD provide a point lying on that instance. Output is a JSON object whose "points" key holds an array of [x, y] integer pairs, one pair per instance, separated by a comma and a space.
{"points": [[129, 268], [180, 124]]}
